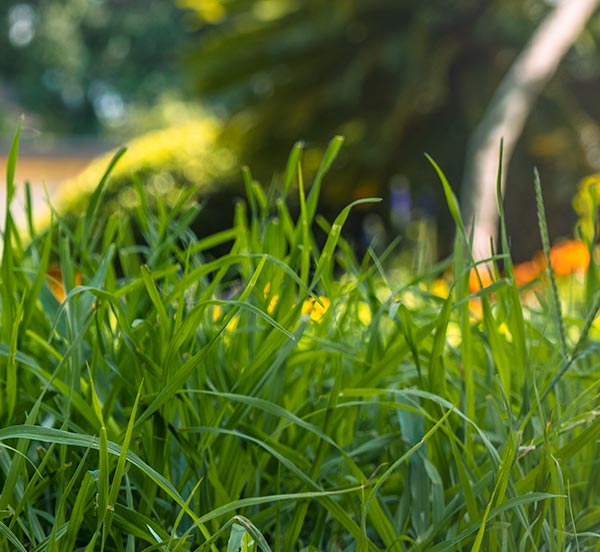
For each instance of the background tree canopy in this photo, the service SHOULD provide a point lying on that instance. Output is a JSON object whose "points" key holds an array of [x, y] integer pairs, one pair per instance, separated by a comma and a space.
{"points": [[397, 78], [88, 66]]}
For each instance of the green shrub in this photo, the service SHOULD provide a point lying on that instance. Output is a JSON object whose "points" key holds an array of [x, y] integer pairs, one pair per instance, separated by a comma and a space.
{"points": [[167, 161]]}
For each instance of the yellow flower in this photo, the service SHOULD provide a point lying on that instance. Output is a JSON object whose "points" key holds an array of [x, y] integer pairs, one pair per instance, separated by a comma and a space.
{"points": [[233, 324], [364, 313], [316, 309], [272, 304], [440, 288], [217, 311]]}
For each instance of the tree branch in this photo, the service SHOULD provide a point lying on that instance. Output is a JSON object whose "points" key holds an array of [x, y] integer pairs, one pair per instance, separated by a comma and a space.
{"points": [[507, 112]]}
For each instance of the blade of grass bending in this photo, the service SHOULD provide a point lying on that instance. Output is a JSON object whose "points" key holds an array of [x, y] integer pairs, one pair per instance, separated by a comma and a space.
{"points": [[244, 305], [462, 250], [326, 257], [234, 543], [251, 530], [153, 293], [450, 200], [543, 226], [329, 156], [290, 169]]}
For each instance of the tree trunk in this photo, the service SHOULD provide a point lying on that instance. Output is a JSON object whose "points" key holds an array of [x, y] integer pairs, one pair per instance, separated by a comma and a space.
{"points": [[506, 115]]}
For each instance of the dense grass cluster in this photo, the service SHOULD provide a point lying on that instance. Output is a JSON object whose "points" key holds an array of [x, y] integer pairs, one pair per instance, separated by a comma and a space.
{"points": [[284, 395]]}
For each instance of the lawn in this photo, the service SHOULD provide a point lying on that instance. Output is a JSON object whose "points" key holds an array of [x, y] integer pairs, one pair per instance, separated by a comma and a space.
{"points": [[285, 395]]}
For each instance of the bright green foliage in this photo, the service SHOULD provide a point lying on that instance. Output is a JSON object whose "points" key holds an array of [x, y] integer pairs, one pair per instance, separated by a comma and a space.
{"points": [[280, 396]]}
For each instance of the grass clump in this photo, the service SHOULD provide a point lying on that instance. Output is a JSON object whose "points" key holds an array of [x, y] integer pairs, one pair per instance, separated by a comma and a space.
{"points": [[284, 395]]}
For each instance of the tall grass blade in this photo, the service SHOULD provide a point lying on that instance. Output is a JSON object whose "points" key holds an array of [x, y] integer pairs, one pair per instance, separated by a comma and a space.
{"points": [[543, 226]]}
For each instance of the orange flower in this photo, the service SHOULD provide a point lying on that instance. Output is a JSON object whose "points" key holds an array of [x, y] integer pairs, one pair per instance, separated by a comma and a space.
{"points": [[475, 309], [56, 284], [528, 271], [474, 280], [568, 257]]}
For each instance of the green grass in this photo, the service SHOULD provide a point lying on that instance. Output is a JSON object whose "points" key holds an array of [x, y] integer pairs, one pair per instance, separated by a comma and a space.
{"points": [[184, 402]]}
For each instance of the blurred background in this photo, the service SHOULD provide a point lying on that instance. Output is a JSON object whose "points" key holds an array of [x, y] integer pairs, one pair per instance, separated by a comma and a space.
{"points": [[201, 87]]}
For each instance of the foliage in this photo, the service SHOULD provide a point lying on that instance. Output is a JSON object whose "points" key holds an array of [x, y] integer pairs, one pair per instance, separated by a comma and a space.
{"points": [[396, 78], [87, 66], [188, 157], [173, 401]]}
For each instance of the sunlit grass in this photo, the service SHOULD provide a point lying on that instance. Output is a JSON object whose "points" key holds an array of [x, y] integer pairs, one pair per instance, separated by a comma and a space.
{"points": [[285, 395]]}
